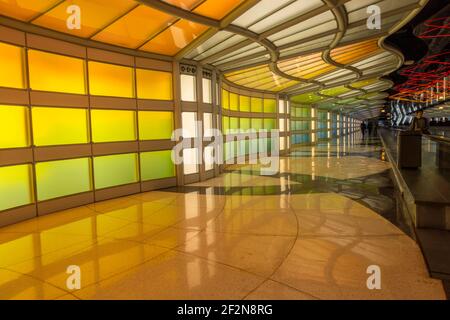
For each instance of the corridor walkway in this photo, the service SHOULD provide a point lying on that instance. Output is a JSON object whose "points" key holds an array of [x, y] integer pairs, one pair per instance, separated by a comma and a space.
{"points": [[310, 232]]}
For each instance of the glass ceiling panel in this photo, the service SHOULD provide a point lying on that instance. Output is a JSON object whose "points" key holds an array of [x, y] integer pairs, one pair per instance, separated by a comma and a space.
{"points": [[245, 51], [335, 91], [95, 15], [307, 46], [363, 83], [176, 37], [259, 12], [217, 43], [184, 4], [322, 20], [293, 10], [217, 9], [307, 98], [25, 10], [133, 29], [312, 31]]}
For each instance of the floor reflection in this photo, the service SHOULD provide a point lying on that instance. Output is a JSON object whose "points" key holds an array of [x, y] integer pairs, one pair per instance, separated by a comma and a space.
{"points": [[309, 232]]}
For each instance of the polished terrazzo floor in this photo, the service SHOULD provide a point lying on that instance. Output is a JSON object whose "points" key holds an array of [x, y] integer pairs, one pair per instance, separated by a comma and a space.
{"points": [[309, 232]]}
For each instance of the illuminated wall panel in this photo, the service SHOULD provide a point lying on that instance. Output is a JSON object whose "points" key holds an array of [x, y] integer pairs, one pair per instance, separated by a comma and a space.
{"points": [[270, 105], [225, 99], [234, 124], [256, 104], [269, 124], [59, 126], [190, 160], [188, 120], [234, 102], [113, 125], [225, 124], [56, 179], [11, 65], [56, 73], [257, 124], [209, 158], [124, 167], [154, 85], [245, 123], [188, 88], [14, 127], [207, 90], [155, 125], [244, 103], [157, 165], [110, 80], [15, 186], [208, 124]]}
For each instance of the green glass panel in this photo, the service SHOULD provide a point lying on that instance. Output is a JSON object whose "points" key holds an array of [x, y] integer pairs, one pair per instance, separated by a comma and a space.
{"points": [[225, 124], [245, 123], [257, 104], [257, 124], [269, 124], [155, 125], [60, 178], [115, 170], [234, 123], [307, 98], [157, 165], [15, 186], [59, 126], [270, 106], [113, 125]]}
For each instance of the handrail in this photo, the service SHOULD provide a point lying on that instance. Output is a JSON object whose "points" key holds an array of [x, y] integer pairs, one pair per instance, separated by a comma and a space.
{"points": [[436, 138]]}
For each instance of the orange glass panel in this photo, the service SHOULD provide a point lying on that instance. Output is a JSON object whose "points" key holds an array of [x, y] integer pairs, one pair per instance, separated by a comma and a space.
{"points": [[184, 4], [24, 9], [216, 9], [135, 28], [174, 38], [95, 15], [11, 66]]}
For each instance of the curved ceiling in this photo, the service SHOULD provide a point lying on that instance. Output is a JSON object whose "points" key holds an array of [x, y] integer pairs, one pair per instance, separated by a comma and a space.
{"points": [[315, 51]]}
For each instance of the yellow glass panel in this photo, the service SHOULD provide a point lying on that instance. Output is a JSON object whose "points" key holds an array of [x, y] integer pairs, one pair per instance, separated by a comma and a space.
{"points": [[14, 127], [244, 103], [24, 9], [113, 125], [155, 125], [155, 85], [11, 66], [111, 80], [61, 178], [53, 72], [115, 170], [15, 186], [174, 38], [135, 28], [59, 126], [216, 9], [225, 99], [270, 106], [257, 104], [234, 101], [95, 15]]}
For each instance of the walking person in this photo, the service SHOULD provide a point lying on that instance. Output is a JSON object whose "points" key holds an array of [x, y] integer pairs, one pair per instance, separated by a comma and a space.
{"points": [[370, 127], [420, 123], [363, 129]]}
